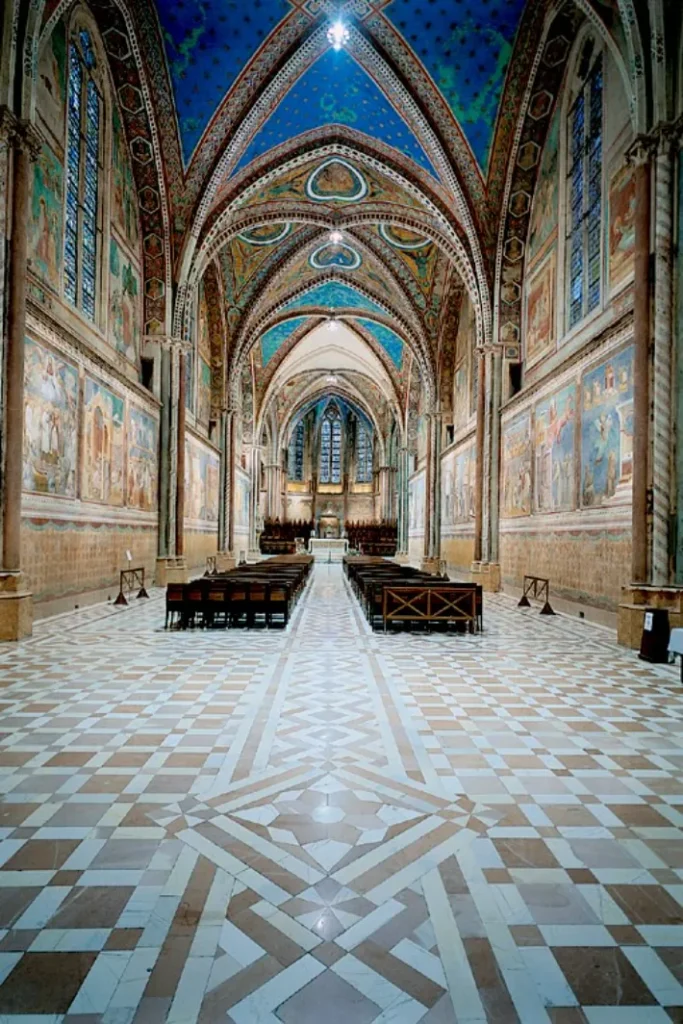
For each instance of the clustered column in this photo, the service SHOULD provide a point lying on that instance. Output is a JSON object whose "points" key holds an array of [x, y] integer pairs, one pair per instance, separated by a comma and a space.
{"points": [[16, 613]]}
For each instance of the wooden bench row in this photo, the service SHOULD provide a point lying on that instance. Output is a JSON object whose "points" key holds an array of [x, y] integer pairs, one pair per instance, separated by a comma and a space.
{"points": [[250, 596], [391, 594]]}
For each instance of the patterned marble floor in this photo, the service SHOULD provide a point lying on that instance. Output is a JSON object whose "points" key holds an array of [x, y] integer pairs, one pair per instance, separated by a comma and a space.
{"points": [[329, 825]]}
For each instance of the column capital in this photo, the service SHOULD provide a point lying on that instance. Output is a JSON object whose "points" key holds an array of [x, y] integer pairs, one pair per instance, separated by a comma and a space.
{"points": [[641, 151], [20, 133], [169, 342]]}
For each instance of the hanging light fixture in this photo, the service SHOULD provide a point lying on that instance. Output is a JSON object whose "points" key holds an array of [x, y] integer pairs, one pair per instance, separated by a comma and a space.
{"points": [[338, 35], [336, 237], [333, 324]]}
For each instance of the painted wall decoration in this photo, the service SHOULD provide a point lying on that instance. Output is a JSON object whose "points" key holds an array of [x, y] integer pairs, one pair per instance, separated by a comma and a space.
{"points": [[45, 223], [516, 469], [124, 205], [50, 422], [607, 431], [103, 445], [143, 434], [622, 205], [545, 209], [461, 397], [188, 364], [336, 180], [458, 474], [416, 503], [554, 451], [203, 333], [51, 90], [124, 303], [202, 473], [540, 312], [204, 392], [241, 501]]}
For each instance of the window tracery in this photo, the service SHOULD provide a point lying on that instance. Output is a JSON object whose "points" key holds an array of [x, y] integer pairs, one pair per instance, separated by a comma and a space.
{"points": [[296, 453], [330, 447], [584, 193], [83, 173], [364, 465]]}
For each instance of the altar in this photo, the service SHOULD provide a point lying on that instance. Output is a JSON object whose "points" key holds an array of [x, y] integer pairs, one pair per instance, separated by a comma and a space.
{"points": [[328, 549]]}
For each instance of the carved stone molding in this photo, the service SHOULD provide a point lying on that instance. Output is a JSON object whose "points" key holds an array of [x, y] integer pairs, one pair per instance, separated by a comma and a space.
{"points": [[21, 134]]}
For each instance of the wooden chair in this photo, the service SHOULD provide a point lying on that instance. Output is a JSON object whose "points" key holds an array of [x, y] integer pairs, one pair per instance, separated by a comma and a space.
{"points": [[193, 604], [175, 604]]}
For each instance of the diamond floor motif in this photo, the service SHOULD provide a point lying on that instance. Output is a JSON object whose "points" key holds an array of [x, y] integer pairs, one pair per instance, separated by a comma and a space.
{"points": [[325, 824]]}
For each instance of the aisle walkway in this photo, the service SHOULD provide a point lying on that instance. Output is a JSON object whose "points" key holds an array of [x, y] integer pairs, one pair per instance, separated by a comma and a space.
{"points": [[327, 826]]}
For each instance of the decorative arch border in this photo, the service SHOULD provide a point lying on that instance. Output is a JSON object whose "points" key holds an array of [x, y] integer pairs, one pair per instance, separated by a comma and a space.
{"points": [[317, 318], [384, 75], [120, 42], [251, 326], [530, 136]]}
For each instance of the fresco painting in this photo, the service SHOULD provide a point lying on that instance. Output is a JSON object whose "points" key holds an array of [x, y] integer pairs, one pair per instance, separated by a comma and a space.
{"points": [[458, 476], [204, 392], [203, 334], [103, 445], [622, 238], [50, 422], [540, 313], [124, 307], [554, 451], [45, 222], [516, 496], [124, 205], [607, 431], [202, 471], [141, 490], [51, 90], [544, 212], [416, 503], [241, 501], [461, 397]]}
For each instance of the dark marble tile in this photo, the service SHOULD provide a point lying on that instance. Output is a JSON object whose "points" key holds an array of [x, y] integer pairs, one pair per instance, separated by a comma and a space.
{"points": [[601, 976], [44, 982]]}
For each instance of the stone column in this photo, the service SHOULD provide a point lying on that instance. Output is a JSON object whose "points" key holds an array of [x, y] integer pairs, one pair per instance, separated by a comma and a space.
{"points": [[432, 546], [254, 494], [180, 460], [384, 484], [479, 447], [171, 566], [225, 558], [402, 510], [662, 399], [16, 602], [640, 567]]}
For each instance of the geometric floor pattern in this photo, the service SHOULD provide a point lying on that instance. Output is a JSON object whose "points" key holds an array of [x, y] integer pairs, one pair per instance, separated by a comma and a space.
{"points": [[331, 826]]}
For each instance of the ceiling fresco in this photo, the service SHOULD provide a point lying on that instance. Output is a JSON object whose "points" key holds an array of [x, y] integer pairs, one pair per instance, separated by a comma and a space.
{"points": [[277, 336], [336, 90], [334, 295], [466, 47], [388, 339], [207, 45]]}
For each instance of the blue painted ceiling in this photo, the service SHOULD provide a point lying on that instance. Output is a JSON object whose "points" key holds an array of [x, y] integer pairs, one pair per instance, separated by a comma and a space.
{"points": [[336, 90], [465, 45], [278, 335], [334, 295], [388, 339]]}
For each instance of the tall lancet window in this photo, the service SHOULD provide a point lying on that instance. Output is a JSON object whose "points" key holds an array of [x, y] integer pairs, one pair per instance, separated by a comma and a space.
{"points": [[584, 181], [363, 454], [83, 166], [330, 447], [296, 453]]}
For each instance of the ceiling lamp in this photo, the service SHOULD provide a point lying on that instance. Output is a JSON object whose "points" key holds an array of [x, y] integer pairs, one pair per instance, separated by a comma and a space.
{"points": [[331, 379], [333, 324], [337, 35], [336, 237]]}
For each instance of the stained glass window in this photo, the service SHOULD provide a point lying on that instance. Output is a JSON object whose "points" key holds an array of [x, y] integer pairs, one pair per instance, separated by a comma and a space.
{"points": [[330, 447], [585, 197], [81, 235], [363, 455], [296, 453]]}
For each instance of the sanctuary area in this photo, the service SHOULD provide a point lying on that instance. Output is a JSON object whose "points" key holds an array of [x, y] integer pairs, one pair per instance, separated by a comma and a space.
{"points": [[330, 328]]}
